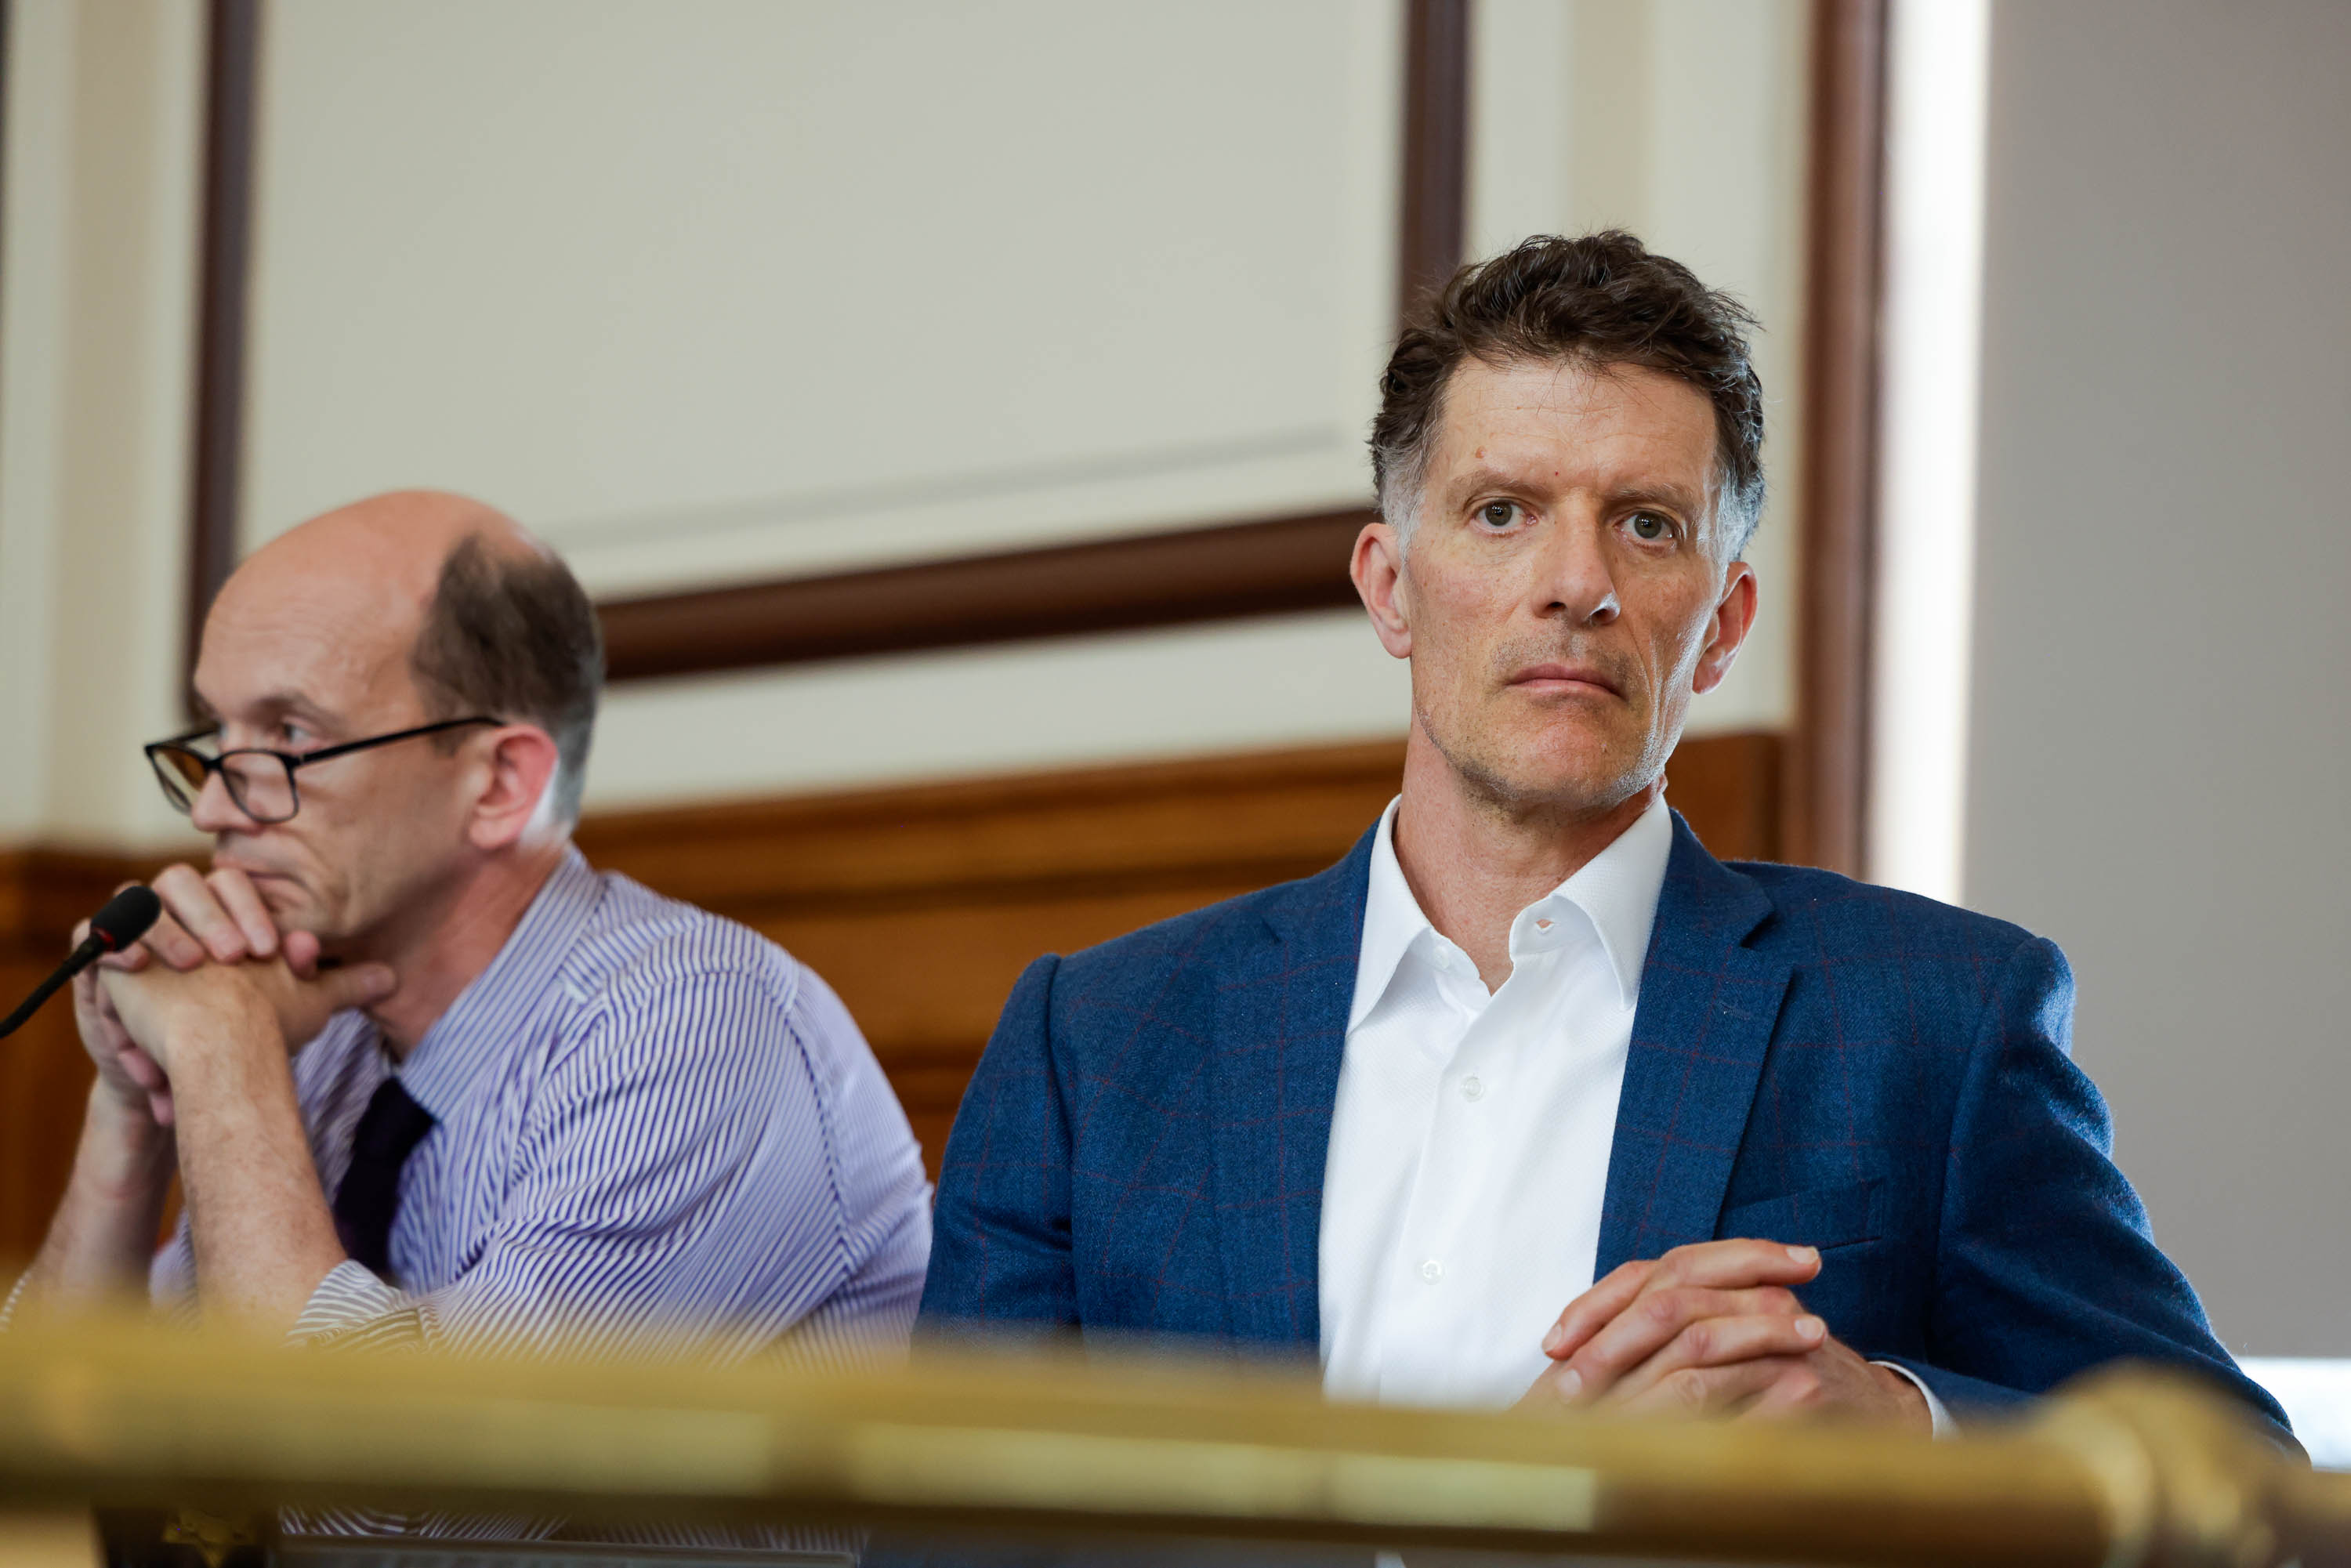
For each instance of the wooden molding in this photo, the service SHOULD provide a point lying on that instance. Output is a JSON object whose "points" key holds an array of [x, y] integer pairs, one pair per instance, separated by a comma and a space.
{"points": [[1156, 580], [45, 892], [1254, 818], [1825, 800], [1434, 223], [231, 85]]}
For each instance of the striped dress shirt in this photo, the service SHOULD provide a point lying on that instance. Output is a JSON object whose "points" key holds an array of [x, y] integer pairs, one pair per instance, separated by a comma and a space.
{"points": [[654, 1130]]}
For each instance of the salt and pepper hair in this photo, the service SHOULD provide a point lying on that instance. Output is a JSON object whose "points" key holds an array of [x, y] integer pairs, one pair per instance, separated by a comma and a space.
{"points": [[511, 634], [1597, 301]]}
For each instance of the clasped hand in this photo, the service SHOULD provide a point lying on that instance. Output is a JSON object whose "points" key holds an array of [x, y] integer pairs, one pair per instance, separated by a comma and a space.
{"points": [[1715, 1329], [213, 957]]}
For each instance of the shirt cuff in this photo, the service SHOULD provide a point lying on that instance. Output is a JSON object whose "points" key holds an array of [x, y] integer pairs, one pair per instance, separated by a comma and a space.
{"points": [[352, 1307], [1944, 1426]]}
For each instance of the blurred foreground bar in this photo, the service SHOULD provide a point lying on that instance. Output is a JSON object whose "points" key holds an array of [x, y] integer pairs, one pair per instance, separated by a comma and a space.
{"points": [[219, 1436]]}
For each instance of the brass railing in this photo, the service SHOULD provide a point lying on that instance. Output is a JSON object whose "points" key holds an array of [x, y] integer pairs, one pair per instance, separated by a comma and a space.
{"points": [[2131, 1466]]}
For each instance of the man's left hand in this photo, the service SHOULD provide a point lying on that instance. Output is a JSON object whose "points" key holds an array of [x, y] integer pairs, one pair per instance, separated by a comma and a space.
{"points": [[1716, 1329]]}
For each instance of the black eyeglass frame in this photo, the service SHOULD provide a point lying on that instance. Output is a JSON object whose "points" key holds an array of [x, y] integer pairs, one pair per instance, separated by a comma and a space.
{"points": [[289, 760]]}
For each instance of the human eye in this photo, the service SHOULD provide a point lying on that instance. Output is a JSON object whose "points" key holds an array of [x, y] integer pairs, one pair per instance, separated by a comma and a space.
{"points": [[1652, 528], [1495, 516]]}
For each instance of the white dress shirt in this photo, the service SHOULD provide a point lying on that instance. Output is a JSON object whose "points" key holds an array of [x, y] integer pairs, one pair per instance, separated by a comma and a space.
{"points": [[1469, 1141]]}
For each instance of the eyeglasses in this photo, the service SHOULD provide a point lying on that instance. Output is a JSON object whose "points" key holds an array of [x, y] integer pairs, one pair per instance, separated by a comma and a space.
{"points": [[260, 782]]}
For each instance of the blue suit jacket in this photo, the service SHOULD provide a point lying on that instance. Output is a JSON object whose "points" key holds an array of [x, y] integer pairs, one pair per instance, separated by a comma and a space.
{"points": [[1813, 1060]]}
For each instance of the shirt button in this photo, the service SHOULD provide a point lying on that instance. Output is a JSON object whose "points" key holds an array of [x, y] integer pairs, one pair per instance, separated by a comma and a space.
{"points": [[1431, 1271], [1471, 1089]]}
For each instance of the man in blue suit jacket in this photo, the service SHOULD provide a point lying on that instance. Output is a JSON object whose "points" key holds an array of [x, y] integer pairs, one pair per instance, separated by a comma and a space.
{"points": [[1531, 1095]]}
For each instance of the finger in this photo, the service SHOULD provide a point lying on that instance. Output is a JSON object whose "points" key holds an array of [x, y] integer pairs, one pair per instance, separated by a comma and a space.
{"points": [[169, 941], [189, 898], [301, 951], [243, 906], [1718, 1265], [1554, 1389], [356, 986], [1714, 1390], [1799, 1392], [159, 1107], [1592, 1310], [1723, 1342], [1659, 1317], [1736, 1264], [141, 1069]]}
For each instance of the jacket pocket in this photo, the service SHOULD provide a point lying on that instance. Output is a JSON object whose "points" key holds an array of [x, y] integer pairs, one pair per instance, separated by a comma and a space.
{"points": [[1824, 1216]]}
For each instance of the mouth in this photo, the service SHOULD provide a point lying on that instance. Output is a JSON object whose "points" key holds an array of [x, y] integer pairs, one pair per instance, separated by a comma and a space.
{"points": [[258, 875], [1563, 680]]}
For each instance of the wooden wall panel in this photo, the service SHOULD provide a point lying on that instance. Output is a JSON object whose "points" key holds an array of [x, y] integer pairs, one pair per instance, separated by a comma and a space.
{"points": [[920, 905], [44, 1074]]}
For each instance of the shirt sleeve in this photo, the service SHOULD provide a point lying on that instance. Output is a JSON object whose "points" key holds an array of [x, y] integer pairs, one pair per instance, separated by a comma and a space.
{"points": [[679, 1184], [1940, 1417]]}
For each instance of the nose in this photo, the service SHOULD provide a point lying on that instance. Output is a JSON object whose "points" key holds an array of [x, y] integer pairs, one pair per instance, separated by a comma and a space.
{"points": [[215, 810], [1573, 581]]}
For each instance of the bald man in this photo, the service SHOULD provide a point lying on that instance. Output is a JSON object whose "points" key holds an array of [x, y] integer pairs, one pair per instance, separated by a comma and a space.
{"points": [[424, 1076]]}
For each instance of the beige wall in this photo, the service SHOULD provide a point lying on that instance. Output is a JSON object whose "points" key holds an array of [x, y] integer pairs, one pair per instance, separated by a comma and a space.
{"points": [[1683, 121], [2161, 731], [594, 263], [97, 325], [739, 289]]}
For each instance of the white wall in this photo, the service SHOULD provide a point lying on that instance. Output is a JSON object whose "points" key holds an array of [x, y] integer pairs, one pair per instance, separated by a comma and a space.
{"points": [[739, 289], [1683, 121], [632, 278], [97, 324], [2161, 732]]}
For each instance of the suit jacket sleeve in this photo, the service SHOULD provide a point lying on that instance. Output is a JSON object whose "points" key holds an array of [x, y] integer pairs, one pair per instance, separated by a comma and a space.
{"points": [[2046, 1261], [1000, 1249]]}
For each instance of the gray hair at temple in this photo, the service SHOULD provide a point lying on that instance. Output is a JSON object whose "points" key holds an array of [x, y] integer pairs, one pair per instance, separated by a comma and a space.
{"points": [[1598, 300], [511, 632]]}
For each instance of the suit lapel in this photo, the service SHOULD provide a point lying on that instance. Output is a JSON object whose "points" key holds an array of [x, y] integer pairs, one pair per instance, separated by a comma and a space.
{"points": [[1282, 1029], [1708, 1007]]}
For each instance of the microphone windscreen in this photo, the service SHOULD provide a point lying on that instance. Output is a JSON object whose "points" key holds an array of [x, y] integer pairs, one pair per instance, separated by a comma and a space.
{"points": [[126, 917]]}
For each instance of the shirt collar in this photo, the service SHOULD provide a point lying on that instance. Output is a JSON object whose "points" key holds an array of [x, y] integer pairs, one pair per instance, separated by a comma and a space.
{"points": [[1617, 890], [1392, 921], [441, 1073]]}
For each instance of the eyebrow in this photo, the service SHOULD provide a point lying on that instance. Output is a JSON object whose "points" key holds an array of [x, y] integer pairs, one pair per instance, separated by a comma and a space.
{"points": [[276, 705], [1487, 477]]}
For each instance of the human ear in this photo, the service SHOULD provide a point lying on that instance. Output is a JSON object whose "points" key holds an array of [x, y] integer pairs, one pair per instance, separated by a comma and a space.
{"points": [[515, 770], [1377, 567], [1734, 616]]}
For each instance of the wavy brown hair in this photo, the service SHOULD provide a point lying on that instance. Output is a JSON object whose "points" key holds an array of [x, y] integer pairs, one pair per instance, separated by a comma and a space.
{"points": [[1599, 301]]}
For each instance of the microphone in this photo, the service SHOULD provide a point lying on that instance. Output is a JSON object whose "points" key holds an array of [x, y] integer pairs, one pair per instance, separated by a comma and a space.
{"points": [[125, 920]]}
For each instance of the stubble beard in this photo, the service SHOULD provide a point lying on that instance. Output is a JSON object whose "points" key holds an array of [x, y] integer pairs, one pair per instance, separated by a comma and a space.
{"points": [[1492, 784]]}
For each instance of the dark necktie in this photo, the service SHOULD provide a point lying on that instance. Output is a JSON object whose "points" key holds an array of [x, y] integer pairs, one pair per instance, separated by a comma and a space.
{"points": [[369, 1195]]}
